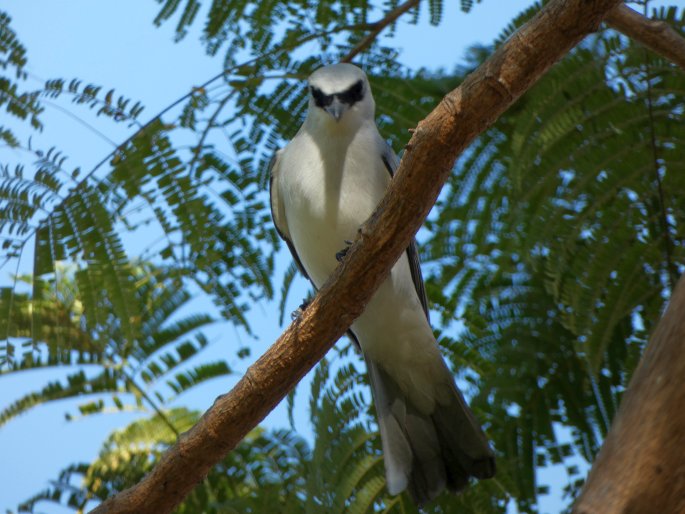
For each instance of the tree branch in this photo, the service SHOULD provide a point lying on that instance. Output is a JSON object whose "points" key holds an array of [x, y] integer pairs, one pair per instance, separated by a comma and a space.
{"points": [[640, 467], [656, 35], [378, 27], [449, 129]]}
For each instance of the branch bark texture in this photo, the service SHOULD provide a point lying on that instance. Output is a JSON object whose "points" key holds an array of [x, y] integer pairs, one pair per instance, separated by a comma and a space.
{"points": [[448, 130], [641, 466], [656, 35]]}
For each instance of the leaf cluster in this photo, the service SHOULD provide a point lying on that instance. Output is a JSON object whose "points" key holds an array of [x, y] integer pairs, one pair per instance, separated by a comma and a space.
{"points": [[109, 371], [13, 100]]}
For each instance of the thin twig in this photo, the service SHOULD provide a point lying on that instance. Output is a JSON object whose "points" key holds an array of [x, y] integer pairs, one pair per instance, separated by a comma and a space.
{"points": [[152, 404], [671, 268], [80, 120], [210, 125], [377, 27]]}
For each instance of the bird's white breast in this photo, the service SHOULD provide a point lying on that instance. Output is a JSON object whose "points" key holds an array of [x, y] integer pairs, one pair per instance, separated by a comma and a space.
{"points": [[330, 186]]}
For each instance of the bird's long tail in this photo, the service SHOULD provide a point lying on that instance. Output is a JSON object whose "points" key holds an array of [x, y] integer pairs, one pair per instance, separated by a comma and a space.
{"points": [[428, 452]]}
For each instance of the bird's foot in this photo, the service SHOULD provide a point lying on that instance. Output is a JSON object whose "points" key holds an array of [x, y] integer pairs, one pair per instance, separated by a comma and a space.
{"points": [[342, 253], [297, 313]]}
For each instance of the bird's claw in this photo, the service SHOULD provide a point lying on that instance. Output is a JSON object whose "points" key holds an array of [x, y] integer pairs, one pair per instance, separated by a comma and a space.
{"points": [[342, 253], [297, 313]]}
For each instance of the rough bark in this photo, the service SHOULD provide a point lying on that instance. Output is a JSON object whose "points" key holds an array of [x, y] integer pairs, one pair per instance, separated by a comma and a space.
{"points": [[656, 35], [641, 466], [426, 165]]}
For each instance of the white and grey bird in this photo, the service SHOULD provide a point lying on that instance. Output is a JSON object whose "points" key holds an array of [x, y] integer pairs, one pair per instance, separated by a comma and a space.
{"points": [[324, 184]]}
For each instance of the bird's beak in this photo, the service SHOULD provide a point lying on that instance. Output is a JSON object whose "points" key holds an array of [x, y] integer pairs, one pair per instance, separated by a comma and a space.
{"points": [[336, 109]]}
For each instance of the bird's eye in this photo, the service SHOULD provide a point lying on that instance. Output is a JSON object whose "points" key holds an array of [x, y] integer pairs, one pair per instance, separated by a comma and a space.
{"points": [[353, 94], [320, 99]]}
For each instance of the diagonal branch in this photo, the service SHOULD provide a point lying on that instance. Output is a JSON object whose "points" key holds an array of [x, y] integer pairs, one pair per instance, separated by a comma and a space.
{"points": [[448, 130], [656, 35], [378, 27]]}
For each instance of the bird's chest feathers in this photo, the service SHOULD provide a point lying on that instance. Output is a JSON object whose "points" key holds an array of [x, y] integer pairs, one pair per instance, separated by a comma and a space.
{"points": [[330, 187], [338, 186]]}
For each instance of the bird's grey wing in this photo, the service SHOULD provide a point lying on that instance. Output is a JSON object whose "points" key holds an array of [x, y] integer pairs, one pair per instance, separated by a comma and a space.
{"points": [[278, 212], [391, 162]]}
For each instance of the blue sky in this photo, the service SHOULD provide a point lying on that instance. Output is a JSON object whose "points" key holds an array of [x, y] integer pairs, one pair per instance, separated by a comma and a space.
{"points": [[116, 44]]}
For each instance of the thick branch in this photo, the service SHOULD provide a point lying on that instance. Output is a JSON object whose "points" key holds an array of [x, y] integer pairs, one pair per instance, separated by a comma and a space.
{"points": [[426, 165], [641, 466], [656, 35]]}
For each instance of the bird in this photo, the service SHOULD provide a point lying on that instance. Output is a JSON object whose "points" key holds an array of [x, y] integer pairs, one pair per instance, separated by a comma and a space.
{"points": [[324, 184]]}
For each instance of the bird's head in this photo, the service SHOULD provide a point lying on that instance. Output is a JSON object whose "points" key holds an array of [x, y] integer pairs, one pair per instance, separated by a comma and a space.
{"points": [[340, 93]]}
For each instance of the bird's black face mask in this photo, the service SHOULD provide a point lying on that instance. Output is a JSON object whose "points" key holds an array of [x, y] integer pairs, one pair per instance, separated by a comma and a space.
{"points": [[337, 103]]}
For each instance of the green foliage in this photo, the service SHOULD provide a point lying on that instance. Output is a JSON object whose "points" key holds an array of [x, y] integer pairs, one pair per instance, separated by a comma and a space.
{"points": [[90, 95], [124, 373], [82, 218], [261, 475], [13, 100]]}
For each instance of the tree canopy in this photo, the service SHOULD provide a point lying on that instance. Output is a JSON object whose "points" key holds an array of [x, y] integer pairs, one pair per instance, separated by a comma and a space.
{"points": [[548, 258]]}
